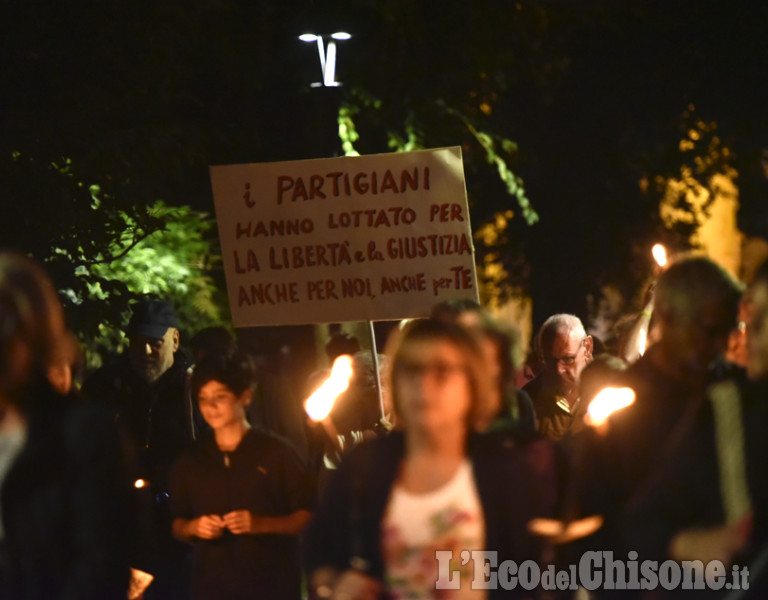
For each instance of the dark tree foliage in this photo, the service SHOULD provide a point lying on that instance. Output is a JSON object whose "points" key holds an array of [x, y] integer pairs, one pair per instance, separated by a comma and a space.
{"points": [[582, 100]]}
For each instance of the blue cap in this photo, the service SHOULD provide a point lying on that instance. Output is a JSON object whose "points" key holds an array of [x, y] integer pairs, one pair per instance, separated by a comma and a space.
{"points": [[151, 318]]}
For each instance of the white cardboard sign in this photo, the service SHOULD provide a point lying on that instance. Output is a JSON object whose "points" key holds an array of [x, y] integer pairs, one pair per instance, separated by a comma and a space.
{"points": [[375, 237]]}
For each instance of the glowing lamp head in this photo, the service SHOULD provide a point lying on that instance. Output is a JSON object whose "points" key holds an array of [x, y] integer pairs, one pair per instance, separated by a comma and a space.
{"points": [[341, 35], [320, 403], [308, 37], [608, 401], [140, 483], [659, 253]]}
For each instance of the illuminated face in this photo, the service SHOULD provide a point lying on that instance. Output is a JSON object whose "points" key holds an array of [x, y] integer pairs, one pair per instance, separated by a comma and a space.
{"points": [[220, 406], [151, 357], [565, 359], [757, 333], [432, 386]]}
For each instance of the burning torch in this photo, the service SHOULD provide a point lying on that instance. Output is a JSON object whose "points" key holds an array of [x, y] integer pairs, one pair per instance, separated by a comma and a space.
{"points": [[570, 527], [319, 405], [637, 338]]}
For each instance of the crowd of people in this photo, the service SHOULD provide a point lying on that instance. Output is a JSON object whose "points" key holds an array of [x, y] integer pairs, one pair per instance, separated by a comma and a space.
{"points": [[159, 477]]}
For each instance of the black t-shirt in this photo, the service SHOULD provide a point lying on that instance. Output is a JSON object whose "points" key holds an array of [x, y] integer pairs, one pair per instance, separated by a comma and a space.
{"points": [[262, 475]]}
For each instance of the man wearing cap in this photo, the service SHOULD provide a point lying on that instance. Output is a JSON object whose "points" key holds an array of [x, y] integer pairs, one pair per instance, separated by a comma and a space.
{"points": [[146, 389]]}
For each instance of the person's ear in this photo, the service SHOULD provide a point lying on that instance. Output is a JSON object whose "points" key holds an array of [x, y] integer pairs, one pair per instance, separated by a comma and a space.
{"points": [[246, 397], [589, 345], [176, 339]]}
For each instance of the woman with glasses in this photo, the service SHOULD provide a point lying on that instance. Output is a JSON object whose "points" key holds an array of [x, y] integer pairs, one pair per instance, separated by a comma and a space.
{"points": [[432, 485]]}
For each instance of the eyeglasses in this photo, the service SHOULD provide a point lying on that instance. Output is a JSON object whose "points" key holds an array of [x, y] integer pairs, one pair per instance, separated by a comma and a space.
{"points": [[438, 370], [568, 360]]}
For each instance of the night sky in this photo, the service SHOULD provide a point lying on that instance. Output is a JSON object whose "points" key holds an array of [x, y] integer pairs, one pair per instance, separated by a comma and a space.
{"points": [[593, 93]]}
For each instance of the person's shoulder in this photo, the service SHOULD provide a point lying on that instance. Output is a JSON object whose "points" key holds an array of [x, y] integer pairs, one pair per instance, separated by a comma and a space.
{"points": [[112, 374], [534, 389], [376, 451], [266, 437], [649, 383], [261, 440], [177, 373], [524, 397], [78, 428], [533, 386]]}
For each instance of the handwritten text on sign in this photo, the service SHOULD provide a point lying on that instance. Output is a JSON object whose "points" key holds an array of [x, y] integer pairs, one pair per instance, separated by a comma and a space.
{"points": [[344, 239]]}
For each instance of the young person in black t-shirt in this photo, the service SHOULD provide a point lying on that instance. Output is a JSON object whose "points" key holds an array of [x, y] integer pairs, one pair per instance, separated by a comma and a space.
{"points": [[241, 497]]}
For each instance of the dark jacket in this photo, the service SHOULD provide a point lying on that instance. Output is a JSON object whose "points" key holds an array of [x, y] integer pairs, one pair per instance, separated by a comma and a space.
{"points": [[64, 506], [156, 422], [515, 484], [655, 473]]}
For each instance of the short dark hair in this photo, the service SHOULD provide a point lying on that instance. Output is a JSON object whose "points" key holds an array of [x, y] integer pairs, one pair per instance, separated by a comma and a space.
{"points": [[235, 370]]}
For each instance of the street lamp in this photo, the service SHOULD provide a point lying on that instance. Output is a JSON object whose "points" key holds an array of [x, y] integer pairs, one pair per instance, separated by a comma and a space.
{"points": [[327, 57]]}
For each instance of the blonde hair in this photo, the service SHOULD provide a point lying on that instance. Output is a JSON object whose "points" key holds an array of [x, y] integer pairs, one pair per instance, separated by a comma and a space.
{"points": [[482, 406]]}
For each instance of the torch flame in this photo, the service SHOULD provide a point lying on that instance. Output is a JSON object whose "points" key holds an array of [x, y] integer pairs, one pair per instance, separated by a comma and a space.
{"points": [[642, 341], [320, 403], [659, 253], [607, 402]]}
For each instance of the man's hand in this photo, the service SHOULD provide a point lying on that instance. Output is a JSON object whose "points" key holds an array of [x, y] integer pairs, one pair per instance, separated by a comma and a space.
{"points": [[239, 522]]}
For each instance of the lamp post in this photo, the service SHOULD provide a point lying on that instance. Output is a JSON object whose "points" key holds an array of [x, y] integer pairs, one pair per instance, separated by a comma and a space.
{"points": [[327, 55]]}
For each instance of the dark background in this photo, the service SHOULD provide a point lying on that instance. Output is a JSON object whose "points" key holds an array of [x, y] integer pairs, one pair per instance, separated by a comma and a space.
{"points": [[144, 95]]}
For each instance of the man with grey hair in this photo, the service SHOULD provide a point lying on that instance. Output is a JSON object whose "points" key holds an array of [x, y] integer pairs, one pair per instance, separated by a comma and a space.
{"points": [[565, 350]]}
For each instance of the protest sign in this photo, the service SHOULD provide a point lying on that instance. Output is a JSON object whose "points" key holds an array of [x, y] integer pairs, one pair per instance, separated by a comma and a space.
{"points": [[361, 238]]}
